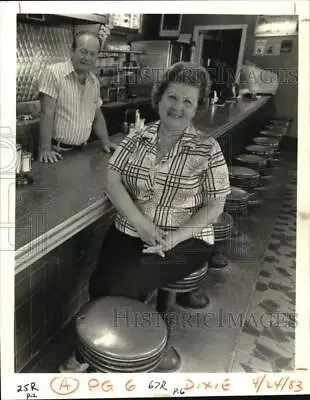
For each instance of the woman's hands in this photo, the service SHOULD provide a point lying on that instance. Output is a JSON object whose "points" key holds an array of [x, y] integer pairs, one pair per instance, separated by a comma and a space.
{"points": [[170, 241], [149, 233]]}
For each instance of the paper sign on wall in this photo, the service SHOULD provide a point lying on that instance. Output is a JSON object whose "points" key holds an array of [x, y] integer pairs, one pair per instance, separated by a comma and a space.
{"points": [[272, 47], [259, 48]]}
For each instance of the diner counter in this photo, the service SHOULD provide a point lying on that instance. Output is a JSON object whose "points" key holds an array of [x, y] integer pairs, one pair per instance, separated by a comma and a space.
{"points": [[68, 196]]}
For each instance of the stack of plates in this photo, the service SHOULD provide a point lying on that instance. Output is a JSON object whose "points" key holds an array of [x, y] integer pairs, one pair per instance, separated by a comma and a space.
{"points": [[264, 151], [117, 334], [266, 141], [237, 200], [252, 161], [191, 282], [243, 177], [223, 227]]}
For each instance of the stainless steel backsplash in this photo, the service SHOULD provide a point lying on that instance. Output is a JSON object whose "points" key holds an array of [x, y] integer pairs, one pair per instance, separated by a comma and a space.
{"points": [[38, 46]]}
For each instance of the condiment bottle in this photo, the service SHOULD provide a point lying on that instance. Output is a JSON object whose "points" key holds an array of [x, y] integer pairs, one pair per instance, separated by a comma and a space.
{"points": [[132, 128], [137, 120], [142, 122], [26, 162]]}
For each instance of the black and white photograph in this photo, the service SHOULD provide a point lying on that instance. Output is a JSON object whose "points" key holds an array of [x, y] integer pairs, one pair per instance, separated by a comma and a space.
{"points": [[155, 193]]}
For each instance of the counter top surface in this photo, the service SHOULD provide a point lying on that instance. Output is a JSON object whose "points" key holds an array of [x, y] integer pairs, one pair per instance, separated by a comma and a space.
{"points": [[67, 196], [217, 120]]}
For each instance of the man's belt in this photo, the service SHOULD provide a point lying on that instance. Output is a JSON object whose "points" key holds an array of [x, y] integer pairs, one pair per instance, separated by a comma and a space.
{"points": [[57, 143]]}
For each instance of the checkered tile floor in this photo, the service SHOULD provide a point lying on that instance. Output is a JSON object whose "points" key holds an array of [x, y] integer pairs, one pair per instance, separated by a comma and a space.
{"points": [[267, 340]]}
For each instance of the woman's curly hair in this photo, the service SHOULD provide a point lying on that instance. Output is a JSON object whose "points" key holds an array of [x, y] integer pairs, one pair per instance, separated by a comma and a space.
{"points": [[184, 72]]}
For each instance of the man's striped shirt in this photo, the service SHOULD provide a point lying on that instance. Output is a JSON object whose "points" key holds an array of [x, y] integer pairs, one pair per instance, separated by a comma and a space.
{"points": [[170, 192], [76, 103]]}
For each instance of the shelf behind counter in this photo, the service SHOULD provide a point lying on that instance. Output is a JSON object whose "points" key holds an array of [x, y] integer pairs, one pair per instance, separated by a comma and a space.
{"points": [[68, 196]]}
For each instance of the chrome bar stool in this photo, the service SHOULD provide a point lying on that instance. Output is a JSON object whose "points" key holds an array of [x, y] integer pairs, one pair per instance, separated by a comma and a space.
{"points": [[222, 232], [260, 150], [263, 151], [267, 141], [111, 335], [276, 129], [272, 142], [253, 161], [166, 295], [273, 134], [191, 283], [247, 179], [279, 126], [236, 205], [258, 163]]}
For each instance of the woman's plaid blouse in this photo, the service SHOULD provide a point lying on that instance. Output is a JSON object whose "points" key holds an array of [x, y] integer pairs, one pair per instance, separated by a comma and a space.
{"points": [[170, 192]]}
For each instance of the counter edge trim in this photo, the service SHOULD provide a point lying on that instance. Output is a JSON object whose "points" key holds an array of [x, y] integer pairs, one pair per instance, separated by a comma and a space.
{"points": [[28, 254]]}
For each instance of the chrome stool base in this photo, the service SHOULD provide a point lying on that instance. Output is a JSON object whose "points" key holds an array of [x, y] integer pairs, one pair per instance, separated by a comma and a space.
{"points": [[218, 261], [170, 362]]}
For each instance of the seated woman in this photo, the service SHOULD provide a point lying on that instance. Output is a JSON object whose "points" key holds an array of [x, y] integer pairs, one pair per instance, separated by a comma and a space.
{"points": [[168, 184]]}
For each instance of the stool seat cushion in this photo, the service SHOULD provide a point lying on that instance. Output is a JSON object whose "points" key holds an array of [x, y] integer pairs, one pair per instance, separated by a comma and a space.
{"points": [[279, 128], [266, 141], [251, 159], [243, 172], [112, 328], [279, 122], [237, 194], [223, 222], [259, 149], [273, 133]]}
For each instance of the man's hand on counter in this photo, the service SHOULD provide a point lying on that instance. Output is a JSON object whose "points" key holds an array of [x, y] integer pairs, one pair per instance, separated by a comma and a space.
{"points": [[108, 146], [49, 156]]}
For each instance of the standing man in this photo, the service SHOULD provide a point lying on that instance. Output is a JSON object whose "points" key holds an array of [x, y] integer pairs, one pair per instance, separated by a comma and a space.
{"points": [[70, 102]]}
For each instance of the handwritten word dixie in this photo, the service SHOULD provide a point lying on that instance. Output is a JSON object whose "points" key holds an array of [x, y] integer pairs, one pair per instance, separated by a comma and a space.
{"points": [[225, 385]]}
